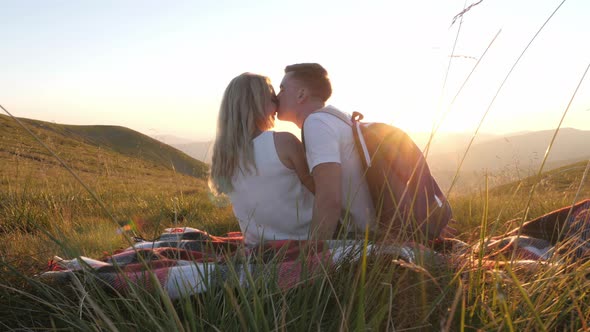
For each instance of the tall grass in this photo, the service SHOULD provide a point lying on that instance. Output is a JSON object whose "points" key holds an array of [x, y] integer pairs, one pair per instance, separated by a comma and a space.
{"points": [[41, 217]]}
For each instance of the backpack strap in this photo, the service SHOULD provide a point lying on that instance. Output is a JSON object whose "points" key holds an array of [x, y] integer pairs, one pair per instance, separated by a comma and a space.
{"points": [[359, 139], [337, 114], [342, 116], [355, 124]]}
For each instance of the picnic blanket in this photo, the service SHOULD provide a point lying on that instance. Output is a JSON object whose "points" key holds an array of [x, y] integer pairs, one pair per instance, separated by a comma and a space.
{"points": [[561, 234], [181, 272]]}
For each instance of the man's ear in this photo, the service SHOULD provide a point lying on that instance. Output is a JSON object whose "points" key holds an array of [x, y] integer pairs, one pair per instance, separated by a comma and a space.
{"points": [[302, 95]]}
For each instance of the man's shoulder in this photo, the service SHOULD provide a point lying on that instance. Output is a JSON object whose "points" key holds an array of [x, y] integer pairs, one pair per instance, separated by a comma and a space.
{"points": [[317, 123], [328, 115]]}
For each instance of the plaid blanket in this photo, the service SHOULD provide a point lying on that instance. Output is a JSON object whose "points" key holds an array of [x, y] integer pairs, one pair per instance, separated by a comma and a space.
{"points": [[560, 236], [180, 272], [563, 233]]}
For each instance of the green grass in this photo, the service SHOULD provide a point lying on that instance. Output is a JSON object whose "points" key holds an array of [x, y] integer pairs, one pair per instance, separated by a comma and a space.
{"points": [[39, 197]]}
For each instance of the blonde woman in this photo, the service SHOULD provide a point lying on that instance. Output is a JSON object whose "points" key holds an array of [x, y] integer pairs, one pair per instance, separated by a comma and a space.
{"points": [[263, 172]]}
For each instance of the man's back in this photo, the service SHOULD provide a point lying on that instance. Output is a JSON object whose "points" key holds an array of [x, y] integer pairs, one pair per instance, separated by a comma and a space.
{"points": [[329, 140]]}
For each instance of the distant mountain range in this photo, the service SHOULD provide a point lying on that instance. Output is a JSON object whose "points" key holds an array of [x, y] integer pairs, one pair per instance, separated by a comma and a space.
{"points": [[521, 150], [449, 142], [504, 158], [202, 151], [510, 157]]}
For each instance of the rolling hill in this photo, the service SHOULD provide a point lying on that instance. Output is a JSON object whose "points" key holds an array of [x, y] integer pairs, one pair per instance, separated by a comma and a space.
{"points": [[568, 179], [523, 150], [87, 147]]}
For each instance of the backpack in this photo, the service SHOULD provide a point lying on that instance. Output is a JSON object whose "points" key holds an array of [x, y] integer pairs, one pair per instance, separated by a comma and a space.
{"points": [[407, 199]]}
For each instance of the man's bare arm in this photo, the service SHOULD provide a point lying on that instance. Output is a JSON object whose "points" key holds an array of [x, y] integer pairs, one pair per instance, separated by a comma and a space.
{"points": [[328, 200]]}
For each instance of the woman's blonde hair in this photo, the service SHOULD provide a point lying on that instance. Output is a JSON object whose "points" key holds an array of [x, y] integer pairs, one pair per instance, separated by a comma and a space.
{"points": [[241, 116]]}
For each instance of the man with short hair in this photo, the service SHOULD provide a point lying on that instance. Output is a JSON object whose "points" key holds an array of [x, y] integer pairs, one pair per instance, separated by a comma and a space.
{"points": [[341, 190]]}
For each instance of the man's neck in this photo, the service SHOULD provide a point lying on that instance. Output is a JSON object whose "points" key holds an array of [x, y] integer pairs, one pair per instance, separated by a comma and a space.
{"points": [[303, 114]]}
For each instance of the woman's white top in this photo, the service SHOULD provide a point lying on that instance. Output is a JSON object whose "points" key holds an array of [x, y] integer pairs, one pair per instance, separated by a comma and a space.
{"points": [[270, 203]]}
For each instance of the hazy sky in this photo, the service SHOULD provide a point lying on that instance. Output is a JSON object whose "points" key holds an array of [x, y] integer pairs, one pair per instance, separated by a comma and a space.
{"points": [[160, 67]]}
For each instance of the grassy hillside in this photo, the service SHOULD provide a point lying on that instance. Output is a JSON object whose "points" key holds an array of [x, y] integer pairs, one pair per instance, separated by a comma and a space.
{"points": [[565, 180], [82, 143], [40, 199], [45, 212]]}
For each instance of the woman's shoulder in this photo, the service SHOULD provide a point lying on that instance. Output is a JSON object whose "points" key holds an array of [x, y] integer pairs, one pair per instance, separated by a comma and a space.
{"points": [[288, 148], [285, 135], [286, 138]]}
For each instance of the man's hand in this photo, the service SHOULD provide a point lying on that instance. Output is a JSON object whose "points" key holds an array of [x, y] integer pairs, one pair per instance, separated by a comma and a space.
{"points": [[328, 200]]}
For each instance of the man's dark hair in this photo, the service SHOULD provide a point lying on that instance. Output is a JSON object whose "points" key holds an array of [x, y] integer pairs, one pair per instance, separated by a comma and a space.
{"points": [[314, 77]]}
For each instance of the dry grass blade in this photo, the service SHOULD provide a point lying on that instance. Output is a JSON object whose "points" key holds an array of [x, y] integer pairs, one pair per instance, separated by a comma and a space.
{"points": [[465, 11], [444, 115], [94, 306]]}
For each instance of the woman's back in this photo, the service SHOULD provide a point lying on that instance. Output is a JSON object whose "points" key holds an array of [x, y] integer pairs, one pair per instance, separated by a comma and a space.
{"points": [[270, 203]]}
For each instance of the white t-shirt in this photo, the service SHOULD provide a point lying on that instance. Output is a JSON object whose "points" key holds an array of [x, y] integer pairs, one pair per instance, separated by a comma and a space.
{"points": [[271, 204], [329, 139]]}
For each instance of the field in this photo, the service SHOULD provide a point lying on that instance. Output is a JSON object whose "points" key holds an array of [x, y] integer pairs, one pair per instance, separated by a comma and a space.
{"points": [[45, 211]]}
